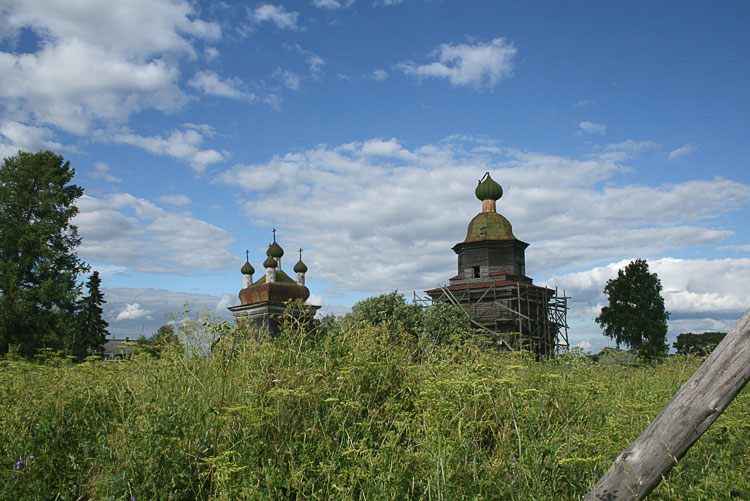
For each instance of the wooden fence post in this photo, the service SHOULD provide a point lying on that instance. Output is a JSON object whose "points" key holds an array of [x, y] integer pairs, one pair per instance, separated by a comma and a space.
{"points": [[640, 467]]}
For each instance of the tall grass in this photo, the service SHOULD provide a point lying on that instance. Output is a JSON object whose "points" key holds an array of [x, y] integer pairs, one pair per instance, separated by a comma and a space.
{"points": [[356, 412]]}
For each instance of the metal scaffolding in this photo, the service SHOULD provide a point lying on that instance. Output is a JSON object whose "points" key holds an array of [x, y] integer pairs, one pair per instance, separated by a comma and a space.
{"points": [[513, 315]]}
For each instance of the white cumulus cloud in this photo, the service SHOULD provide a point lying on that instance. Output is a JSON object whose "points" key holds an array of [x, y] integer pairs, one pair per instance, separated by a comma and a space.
{"points": [[226, 301], [289, 78], [180, 144], [211, 84], [398, 210], [176, 200], [278, 15], [102, 171], [332, 4], [124, 230], [478, 65], [592, 128], [682, 151], [95, 65], [132, 312]]}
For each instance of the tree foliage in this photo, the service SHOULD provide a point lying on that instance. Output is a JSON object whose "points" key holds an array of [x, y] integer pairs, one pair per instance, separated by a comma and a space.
{"points": [[443, 322], [91, 328], [698, 344], [38, 263], [636, 316], [439, 323], [164, 338], [390, 308]]}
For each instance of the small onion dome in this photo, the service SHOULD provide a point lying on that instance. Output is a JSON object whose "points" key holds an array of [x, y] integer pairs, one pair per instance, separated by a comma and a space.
{"points": [[270, 262], [247, 268], [300, 267], [488, 189], [274, 250]]}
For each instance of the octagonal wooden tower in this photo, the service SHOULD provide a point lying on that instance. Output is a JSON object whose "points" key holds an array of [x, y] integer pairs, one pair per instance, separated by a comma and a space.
{"points": [[492, 287]]}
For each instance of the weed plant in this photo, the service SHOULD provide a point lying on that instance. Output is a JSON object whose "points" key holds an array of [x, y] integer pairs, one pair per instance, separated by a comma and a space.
{"points": [[352, 411]]}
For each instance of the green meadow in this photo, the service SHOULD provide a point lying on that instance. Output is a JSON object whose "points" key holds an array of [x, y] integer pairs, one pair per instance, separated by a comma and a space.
{"points": [[354, 411]]}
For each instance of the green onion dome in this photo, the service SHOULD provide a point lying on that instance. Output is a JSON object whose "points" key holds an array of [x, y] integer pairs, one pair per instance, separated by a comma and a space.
{"points": [[300, 267], [247, 268], [489, 226], [488, 189], [274, 250], [270, 262]]}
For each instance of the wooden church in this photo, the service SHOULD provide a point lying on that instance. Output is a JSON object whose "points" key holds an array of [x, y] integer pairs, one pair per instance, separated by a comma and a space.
{"points": [[492, 287], [264, 301]]}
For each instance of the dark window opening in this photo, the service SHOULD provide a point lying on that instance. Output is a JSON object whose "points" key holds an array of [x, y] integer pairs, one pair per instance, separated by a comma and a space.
{"points": [[476, 271]]}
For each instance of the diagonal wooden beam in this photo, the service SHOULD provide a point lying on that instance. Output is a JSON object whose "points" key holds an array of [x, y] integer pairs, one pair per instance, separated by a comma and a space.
{"points": [[697, 404]]}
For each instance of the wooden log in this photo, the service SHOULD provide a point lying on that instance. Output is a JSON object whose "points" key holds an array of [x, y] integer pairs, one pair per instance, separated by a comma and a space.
{"points": [[693, 409]]}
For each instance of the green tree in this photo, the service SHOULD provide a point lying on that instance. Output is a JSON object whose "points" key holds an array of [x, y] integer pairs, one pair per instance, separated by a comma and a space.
{"points": [[698, 344], [390, 308], [38, 263], [635, 315], [91, 328]]}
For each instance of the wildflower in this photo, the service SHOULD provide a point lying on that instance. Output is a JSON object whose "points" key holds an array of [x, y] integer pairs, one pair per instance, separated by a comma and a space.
{"points": [[12, 477], [404, 442], [513, 457], [335, 439]]}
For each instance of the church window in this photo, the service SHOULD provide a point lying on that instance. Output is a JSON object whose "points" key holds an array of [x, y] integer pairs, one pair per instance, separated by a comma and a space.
{"points": [[476, 271]]}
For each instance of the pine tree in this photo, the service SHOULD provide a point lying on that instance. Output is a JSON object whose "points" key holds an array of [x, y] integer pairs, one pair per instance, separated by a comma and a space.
{"points": [[635, 315], [38, 263], [91, 328]]}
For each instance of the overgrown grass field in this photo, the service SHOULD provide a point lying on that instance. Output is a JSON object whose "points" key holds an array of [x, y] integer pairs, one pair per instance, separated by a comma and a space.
{"points": [[359, 412]]}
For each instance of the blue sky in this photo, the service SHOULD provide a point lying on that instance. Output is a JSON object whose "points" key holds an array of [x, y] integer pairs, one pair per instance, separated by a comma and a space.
{"points": [[359, 129]]}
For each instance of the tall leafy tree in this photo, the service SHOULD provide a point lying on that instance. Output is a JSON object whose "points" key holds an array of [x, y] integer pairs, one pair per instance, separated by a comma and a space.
{"points": [[635, 315], [38, 263], [91, 328]]}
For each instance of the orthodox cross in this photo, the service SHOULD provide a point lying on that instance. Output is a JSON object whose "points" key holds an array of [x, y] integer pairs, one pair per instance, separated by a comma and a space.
{"points": [[247, 256], [274, 234], [300, 253]]}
